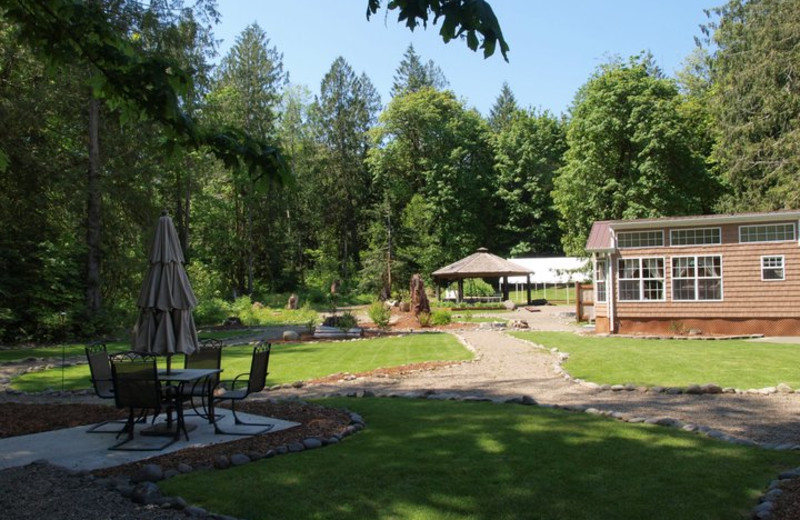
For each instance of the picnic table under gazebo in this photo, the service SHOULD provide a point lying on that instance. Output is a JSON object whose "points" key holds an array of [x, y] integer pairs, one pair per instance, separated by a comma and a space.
{"points": [[482, 264]]}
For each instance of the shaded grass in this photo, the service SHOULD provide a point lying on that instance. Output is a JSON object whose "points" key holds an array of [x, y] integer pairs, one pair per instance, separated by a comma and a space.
{"points": [[421, 459], [293, 362], [729, 363]]}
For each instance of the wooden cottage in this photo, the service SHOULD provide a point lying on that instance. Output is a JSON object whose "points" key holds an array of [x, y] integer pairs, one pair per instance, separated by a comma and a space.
{"points": [[717, 274]]}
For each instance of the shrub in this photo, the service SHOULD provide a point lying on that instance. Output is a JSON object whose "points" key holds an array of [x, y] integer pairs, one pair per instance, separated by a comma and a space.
{"points": [[346, 321], [424, 319], [380, 314], [211, 311], [441, 318]]}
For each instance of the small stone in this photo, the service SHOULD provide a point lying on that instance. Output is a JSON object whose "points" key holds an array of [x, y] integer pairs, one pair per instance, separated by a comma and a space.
{"points": [[171, 473], [296, 447], [149, 473], [784, 388], [694, 389], [332, 440], [290, 335], [769, 390], [184, 468], [617, 388], [528, 400], [195, 512], [593, 411], [237, 459], [711, 388], [657, 389], [222, 462], [146, 493], [674, 391], [312, 443]]}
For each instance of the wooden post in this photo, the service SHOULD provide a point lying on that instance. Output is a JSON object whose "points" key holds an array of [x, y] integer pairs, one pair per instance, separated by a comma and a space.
{"points": [[529, 289], [460, 290], [578, 302]]}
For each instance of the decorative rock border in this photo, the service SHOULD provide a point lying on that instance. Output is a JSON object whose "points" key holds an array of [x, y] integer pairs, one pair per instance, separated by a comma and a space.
{"points": [[141, 487]]}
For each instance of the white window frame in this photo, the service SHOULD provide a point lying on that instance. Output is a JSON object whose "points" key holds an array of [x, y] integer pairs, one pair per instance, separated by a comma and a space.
{"points": [[673, 244], [601, 266], [782, 268], [619, 234], [641, 279], [696, 278], [794, 233]]}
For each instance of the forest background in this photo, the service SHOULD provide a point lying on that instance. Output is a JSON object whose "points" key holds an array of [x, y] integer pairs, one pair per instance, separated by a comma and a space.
{"points": [[369, 191]]}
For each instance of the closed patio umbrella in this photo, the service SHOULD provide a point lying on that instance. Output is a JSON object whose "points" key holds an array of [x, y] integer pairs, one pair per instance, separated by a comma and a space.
{"points": [[165, 325]]}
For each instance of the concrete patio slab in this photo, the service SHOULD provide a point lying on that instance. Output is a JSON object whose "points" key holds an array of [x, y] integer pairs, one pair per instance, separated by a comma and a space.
{"points": [[74, 449]]}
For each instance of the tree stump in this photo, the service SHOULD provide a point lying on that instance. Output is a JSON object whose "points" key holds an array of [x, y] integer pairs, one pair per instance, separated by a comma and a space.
{"points": [[419, 300]]}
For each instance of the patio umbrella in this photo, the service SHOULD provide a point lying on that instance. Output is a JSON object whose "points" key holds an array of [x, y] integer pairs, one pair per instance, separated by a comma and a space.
{"points": [[165, 325]]}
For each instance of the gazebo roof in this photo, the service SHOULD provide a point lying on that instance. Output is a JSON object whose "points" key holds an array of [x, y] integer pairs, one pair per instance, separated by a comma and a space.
{"points": [[481, 264]]}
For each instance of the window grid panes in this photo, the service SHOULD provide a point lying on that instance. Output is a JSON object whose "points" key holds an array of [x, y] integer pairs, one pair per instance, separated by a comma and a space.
{"points": [[600, 280], [630, 239], [641, 279], [767, 233], [695, 237], [772, 268], [696, 278]]}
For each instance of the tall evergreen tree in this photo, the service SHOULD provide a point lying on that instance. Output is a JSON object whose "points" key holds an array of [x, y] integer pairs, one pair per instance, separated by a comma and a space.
{"points": [[755, 102], [247, 94], [345, 109], [503, 109], [412, 75]]}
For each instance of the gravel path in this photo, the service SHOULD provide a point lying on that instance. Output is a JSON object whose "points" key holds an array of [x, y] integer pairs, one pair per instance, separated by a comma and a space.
{"points": [[507, 368]]}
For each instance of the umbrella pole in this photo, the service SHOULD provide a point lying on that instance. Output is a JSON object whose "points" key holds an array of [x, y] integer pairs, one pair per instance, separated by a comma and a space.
{"points": [[169, 363]]}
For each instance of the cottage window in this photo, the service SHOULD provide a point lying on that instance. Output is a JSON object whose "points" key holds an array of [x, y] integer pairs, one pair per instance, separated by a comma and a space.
{"points": [[695, 236], [641, 279], [631, 239], [772, 268], [696, 278], [600, 280], [767, 233]]}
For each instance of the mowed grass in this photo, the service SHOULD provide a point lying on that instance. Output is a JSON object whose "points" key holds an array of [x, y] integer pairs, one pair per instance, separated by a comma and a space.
{"points": [[293, 362], [729, 363], [422, 459]]}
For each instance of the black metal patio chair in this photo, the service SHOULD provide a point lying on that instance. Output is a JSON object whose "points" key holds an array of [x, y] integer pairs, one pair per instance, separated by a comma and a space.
{"points": [[100, 370], [136, 387], [241, 386], [208, 356]]}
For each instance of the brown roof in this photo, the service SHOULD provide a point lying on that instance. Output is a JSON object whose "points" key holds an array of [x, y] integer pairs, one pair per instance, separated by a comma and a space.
{"points": [[479, 265], [600, 236]]}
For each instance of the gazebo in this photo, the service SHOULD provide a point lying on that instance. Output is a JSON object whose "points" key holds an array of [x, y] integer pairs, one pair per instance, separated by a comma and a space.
{"points": [[482, 264]]}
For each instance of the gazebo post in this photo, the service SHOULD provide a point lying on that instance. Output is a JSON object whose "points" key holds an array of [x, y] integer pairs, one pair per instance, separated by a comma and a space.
{"points": [[529, 289], [505, 288], [460, 290]]}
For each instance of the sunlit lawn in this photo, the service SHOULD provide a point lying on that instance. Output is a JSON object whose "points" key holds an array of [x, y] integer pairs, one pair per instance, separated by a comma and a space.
{"points": [[294, 362], [422, 459], [729, 363]]}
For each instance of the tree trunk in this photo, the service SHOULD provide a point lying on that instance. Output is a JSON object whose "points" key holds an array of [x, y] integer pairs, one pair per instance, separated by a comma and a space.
{"points": [[93, 226]]}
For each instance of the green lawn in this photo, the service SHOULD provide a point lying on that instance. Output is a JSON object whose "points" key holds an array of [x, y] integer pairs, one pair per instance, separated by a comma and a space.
{"points": [[294, 362], [729, 363], [421, 459]]}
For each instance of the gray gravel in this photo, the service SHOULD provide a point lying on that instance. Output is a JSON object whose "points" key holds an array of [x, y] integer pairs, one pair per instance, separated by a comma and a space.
{"points": [[42, 491]]}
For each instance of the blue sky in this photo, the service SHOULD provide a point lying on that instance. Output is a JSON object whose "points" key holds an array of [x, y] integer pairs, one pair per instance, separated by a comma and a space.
{"points": [[555, 44]]}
